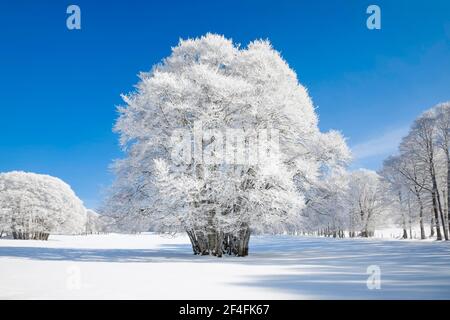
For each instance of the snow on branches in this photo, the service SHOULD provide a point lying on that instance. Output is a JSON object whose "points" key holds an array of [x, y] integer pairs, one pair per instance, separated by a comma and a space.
{"points": [[33, 205], [420, 173], [211, 86]]}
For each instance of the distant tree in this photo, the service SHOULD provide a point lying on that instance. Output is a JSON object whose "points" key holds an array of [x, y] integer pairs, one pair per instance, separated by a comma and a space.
{"points": [[95, 223], [33, 205], [366, 199], [421, 141], [422, 167], [327, 207], [405, 176], [442, 119], [396, 192]]}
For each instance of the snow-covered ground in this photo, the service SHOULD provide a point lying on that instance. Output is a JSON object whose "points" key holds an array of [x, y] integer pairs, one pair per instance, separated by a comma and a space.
{"points": [[149, 266]]}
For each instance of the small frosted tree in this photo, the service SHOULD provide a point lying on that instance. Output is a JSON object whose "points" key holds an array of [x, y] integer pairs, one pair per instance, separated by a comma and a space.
{"points": [[327, 206], [407, 177], [366, 198], [209, 86], [5, 219], [33, 205], [94, 222]]}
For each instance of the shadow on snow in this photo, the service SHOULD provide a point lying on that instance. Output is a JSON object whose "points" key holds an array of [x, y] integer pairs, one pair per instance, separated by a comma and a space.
{"points": [[312, 267]]}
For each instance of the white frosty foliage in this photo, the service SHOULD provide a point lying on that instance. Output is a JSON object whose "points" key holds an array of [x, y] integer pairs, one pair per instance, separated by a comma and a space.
{"points": [[32, 202], [420, 174], [215, 82]]}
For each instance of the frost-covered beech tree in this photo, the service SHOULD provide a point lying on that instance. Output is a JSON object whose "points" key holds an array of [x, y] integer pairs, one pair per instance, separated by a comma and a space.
{"points": [[209, 87], [401, 194], [366, 199], [96, 223], [33, 205], [327, 209], [398, 191]]}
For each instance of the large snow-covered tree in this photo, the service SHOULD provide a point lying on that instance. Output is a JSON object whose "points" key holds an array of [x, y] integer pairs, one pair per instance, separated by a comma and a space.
{"points": [[33, 205], [209, 86]]}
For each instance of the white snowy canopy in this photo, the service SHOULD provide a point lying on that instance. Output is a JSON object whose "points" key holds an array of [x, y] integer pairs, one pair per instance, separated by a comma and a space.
{"points": [[33, 202], [212, 81]]}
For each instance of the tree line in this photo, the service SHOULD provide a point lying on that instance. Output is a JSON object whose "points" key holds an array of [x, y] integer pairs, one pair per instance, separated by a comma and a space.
{"points": [[410, 191]]}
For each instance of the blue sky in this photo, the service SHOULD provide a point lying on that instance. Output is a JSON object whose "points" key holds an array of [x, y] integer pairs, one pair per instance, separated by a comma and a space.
{"points": [[59, 88]]}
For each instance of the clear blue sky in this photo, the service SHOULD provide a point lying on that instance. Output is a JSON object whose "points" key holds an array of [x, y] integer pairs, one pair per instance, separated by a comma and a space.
{"points": [[59, 88]]}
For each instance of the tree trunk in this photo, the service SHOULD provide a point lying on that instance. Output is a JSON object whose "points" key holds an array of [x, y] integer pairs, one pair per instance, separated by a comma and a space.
{"points": [[217, 243], [409, 218], [436, 216], [444, 224], [243, 241], [432, 225], [203, 243], [405, 234], [422, 230], [434, 191], [218, 248], [194, 241], [447, 153], [38, 235]]}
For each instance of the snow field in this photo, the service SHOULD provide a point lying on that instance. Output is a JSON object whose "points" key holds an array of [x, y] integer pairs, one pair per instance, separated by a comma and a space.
{"points": [[149, 266]]}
